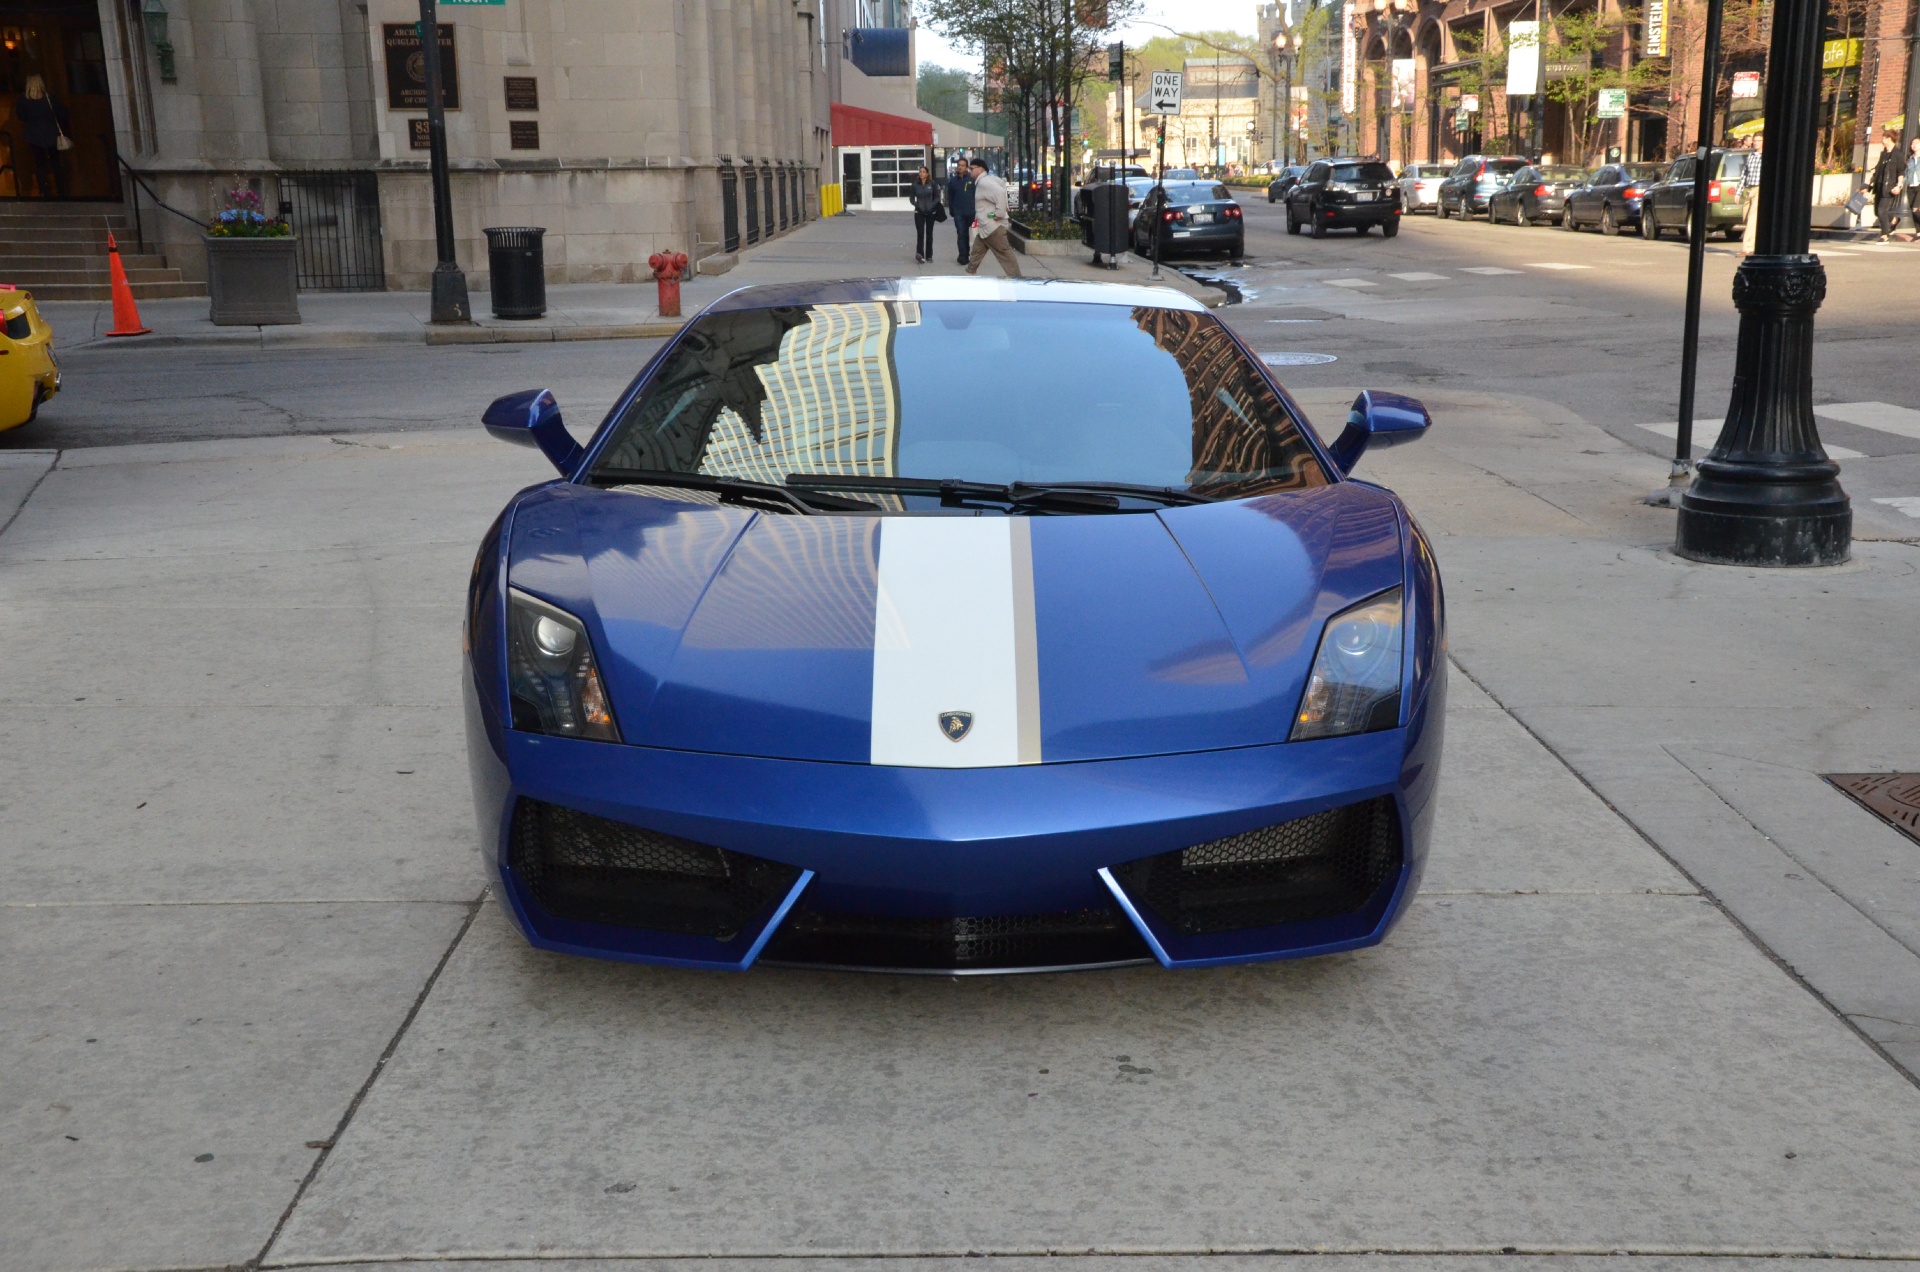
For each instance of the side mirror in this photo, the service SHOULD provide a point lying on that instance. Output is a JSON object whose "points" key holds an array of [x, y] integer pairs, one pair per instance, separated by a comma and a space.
{"points": [[532, 418], [1378, 419]]}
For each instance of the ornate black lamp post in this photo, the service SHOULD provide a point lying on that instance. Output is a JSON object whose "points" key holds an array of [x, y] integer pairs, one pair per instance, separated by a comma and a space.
{"points": [[1283, 114], [1767, 494], [450, 303]]}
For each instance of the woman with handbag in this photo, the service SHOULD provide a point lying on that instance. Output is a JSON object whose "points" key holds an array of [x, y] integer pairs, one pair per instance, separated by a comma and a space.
{"points": [[928, 212], [45, 124]]}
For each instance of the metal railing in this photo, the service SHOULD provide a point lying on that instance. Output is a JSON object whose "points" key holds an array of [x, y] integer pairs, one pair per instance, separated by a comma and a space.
{"points": [[336, 228], [139, 184]]}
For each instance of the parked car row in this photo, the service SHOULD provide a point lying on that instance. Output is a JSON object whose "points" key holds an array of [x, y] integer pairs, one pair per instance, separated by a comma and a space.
{"points": [[1648, 197]]}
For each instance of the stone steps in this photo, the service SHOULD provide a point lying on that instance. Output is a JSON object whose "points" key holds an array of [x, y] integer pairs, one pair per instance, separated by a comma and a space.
{"points": [[58, 251]]}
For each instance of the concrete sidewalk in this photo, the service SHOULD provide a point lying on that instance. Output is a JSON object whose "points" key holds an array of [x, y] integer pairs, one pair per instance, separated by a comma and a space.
{"points": [[258, 1009], [841, 246]]}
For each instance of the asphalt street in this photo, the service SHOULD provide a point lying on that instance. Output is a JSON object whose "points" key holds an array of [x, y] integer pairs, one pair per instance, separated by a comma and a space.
{"points": [[1657, 1005]]}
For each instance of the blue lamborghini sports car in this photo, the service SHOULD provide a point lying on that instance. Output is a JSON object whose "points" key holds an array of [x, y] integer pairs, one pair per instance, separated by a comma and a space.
{"points": [[954, 625]]}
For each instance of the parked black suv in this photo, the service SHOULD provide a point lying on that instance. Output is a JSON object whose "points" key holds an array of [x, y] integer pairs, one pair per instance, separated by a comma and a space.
{"points": [[1473, 180], [1344, 193]]}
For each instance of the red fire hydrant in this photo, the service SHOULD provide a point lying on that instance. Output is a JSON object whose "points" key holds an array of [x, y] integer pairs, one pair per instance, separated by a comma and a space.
{"points": [[667, 268]]}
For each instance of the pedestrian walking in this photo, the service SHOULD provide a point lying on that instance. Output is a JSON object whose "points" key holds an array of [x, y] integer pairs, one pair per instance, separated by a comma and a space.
{"points": [[1750, 191], [1913, 187], [960, 204], [44, 121], [927, 211], [990, 222], [1888, 180]]}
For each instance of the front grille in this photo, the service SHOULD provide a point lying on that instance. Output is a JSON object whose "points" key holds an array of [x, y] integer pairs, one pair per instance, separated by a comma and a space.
{"points": [[578, 866], [994, 942], [1315, 867]]}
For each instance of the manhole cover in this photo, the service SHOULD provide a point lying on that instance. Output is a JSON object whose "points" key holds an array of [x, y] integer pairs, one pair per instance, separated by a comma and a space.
{"points": [[1892, 797], [1297, 359]]}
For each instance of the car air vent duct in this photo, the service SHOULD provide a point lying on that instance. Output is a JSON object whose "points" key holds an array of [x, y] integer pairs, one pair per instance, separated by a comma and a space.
{"points": [[578, 866], [1314, 867], [1008, 942]]}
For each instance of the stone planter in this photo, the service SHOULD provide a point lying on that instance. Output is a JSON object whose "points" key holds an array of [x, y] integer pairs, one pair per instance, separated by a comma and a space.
{"points": [[254, 282]]}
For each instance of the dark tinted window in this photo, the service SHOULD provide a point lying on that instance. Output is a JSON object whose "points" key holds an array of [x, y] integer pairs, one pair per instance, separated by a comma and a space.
{"points": [[1505, 165], [1316, 172], [1608, 176], [1157, 396], [1362, 172]]}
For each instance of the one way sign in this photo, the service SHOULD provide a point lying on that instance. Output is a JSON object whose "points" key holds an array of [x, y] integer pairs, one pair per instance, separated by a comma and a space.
{"points": [[1163, 97]]}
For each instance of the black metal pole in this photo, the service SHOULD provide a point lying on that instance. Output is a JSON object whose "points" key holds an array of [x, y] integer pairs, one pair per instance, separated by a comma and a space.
{"points": [[450, 302], [1767, 494], [1160, 183], [1682, 471]]}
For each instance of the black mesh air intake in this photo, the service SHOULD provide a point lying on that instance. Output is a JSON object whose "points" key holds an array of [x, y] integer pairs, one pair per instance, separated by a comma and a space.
{"points": [[1316, 867], [578, 866], [998, 942]]}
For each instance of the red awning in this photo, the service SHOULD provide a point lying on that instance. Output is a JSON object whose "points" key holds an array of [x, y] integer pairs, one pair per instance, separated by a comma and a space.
{"points": [[856, 126]]}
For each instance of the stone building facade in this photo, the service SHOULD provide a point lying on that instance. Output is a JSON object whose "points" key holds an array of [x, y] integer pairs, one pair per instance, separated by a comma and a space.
{"points": [[625, 127]]}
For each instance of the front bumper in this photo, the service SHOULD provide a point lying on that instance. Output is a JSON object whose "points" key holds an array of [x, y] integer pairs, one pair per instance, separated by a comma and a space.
{"points": [[977, 853]]}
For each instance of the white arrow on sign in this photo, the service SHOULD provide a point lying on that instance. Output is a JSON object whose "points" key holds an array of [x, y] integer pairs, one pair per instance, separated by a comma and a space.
{"points": [[1163, 97]]}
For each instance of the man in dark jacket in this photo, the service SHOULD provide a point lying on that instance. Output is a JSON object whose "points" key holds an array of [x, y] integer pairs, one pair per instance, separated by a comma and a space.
{"points": [[1888, 176], [960, 202]]}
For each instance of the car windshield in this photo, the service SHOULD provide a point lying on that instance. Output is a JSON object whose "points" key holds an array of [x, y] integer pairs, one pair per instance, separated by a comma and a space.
{"points": [[968, 390], [1505, 165], [1362, 172], [1197, 192], [1561, 172]]}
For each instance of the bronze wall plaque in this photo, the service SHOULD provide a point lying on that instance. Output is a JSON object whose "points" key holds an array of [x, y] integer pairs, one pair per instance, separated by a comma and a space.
{"points": [[407, 67], [523, 134], [419, 136], [523, 92]]}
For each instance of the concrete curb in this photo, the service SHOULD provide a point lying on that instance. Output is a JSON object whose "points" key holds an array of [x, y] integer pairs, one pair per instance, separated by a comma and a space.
{"points": [[294, 338], [541, 335]]}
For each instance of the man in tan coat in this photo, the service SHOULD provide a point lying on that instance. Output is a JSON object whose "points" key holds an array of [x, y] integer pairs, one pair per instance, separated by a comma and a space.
{"points": [[990, 221]]}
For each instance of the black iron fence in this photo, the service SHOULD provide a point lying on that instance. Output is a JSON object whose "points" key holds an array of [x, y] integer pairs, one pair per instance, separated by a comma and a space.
{"points": [[752, 184], [336, 227], [729, 208]]}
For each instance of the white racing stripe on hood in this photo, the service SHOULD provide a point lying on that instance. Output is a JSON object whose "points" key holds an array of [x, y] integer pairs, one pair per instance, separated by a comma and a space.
{"points": [[954, 631]]}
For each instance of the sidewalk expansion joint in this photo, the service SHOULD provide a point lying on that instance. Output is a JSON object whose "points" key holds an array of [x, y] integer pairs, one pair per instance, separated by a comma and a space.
{"points": [[379, 1066], [1712, 897]]}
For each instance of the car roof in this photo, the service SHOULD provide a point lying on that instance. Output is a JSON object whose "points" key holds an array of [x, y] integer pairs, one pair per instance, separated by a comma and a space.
{"points": [[946, 287]]}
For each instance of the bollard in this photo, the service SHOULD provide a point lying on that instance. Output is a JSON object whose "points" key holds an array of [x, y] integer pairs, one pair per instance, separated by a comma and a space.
{"points": [[667, 268]]}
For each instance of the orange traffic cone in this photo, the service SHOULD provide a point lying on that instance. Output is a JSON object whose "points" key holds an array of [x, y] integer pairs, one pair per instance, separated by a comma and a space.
{"points": [[126, 315]]}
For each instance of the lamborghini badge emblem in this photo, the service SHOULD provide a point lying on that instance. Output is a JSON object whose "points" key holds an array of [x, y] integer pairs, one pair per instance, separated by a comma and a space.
{"points": [[955, 724]]}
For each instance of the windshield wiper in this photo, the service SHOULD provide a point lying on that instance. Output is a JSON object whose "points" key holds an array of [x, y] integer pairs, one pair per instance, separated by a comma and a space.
{"points": [[730, 489], [1101, 496]]}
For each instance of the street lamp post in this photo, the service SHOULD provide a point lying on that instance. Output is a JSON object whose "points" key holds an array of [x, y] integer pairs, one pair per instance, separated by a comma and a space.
{"points": [[1283, 108], [450, 303], [1767, 494]]}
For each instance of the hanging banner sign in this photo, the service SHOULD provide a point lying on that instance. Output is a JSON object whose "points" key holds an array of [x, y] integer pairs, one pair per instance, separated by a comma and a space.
{"points": [[1612, 103], [1746, 83], [1653, 41], [1523, 59], [407, 67], [1403, 78], [1349, 72], [1838, 54], [1470, 103]]}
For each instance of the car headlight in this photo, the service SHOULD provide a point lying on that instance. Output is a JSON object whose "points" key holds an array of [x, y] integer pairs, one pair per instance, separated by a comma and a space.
{"points": [[552, 679], [1355, 685]]}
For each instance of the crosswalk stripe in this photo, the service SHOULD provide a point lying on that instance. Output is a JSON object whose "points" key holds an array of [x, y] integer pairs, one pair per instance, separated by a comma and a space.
{"points": [[1882, 417], [1487, 269], [1349, 282], [1909, 504], [1418, 277], [1555, 265], [1707, 432]]}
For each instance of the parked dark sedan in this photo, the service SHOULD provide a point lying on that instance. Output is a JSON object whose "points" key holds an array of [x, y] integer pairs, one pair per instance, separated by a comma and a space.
{"points": [[1190, 216], [1353, 194], [1668, 204], [1537, 195], [1611, 197], [1474, 179], [1287, 178]]}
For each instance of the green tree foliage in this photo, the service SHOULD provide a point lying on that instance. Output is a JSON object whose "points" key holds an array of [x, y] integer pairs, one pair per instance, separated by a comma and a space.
{"points": [[1579, 46]]}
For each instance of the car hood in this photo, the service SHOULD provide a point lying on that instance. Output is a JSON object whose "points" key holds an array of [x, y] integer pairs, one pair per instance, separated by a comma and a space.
{"points": [[878, 639]]}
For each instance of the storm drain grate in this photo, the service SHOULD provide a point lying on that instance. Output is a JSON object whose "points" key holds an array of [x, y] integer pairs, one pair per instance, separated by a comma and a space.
{"points": [[1892, 797]]}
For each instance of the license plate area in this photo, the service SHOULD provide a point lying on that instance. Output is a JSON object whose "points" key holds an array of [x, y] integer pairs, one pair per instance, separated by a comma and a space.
{"points": [[1364, 196], [1200, 218]]}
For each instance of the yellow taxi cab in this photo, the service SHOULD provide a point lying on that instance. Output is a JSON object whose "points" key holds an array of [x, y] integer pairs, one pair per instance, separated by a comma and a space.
{"points": [[28, 373]]}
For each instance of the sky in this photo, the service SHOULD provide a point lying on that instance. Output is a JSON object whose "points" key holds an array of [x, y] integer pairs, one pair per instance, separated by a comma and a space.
{"points": [[1183, 15]]}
